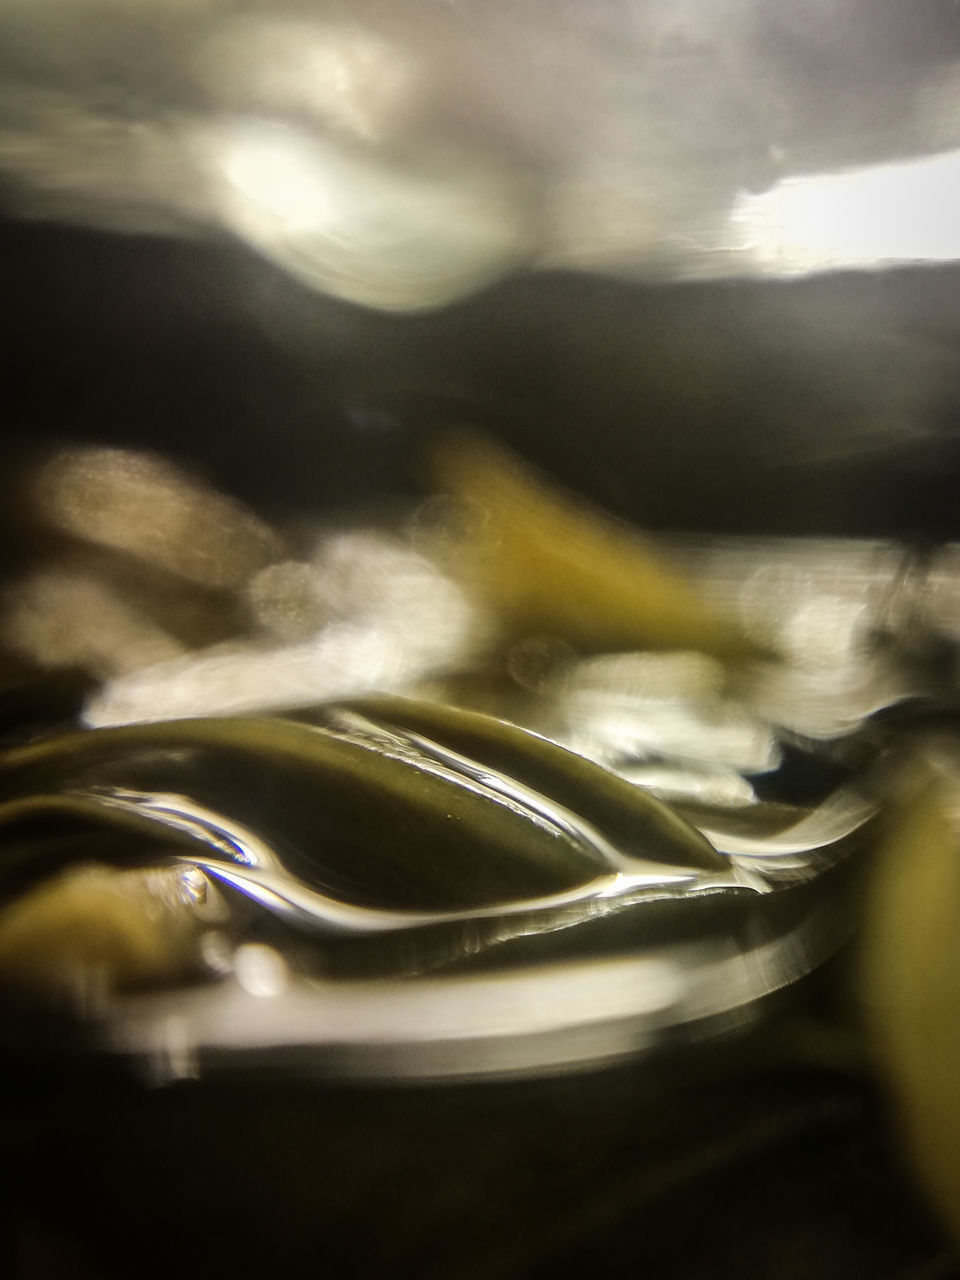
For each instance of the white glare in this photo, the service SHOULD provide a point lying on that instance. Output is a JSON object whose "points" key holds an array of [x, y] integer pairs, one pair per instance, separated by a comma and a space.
{"points": [[386, 230], [279, 174], [903, 212], [260, 970], [395, 619]]}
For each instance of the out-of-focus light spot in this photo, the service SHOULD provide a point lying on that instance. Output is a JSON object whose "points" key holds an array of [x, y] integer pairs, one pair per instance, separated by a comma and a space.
{"points": [[283, 183], [538, 662], [824, 701], [816, 601], [260, 970], [632, 707], [244, 678], [216, 952], [903, 212], [395, 232], [143, 506], [286, 600], [366, 573], [395, 620], [614, 729], [819, 632], [663, 677], [61, 619]]}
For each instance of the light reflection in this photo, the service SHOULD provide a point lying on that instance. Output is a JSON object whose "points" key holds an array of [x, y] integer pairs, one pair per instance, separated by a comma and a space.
{"points": [[286, 601], [627, 708], [367, 611], [908, 211], [816, 601], [634, 127], [142, 505], [615, 731], [362, 610], [393, 620], [260, 970], [507, 1023], [675, 676], [62, 619], [283, 181], [399, 233], [344, 660], [721, 788], [827, 702]]}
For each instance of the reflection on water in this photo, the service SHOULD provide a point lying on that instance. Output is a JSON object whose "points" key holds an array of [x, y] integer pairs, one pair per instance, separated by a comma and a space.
{"points": [[404, 154], [869, 217]]}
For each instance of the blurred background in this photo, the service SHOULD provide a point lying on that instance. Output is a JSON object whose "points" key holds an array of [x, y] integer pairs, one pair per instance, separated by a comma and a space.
{"points": [[716, 242], [697, 263]]}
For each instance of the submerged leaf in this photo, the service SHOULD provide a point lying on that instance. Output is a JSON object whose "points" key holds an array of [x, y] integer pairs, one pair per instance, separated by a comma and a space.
{"points": [[364, 821], [634, 823], [549, 566], [911, 978], [93, 930]]}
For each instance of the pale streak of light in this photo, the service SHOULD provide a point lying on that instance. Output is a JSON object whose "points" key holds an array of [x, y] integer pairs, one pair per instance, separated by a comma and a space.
{"points": [[721, 787], [394, 618], [511, 1022], [364, 226], [260, 970], [344, 660], [383, 652], [828, 703], [144, 506], [64, 619], [614, 729], [279, 181], [908, 211], [524, 1002], [674, 676]]}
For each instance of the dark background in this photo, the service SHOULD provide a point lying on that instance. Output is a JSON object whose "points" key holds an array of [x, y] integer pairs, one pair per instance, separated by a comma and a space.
{"points": [[823, 406]]}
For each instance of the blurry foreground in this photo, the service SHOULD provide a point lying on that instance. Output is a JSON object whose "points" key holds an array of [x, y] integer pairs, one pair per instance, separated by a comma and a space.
{"points": [[772, 692]]}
